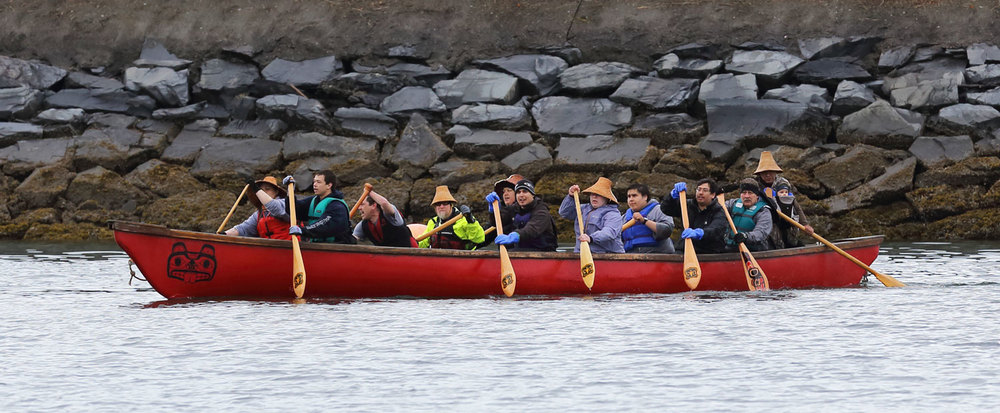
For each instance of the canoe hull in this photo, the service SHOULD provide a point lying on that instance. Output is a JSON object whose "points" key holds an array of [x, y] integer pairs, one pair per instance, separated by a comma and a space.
{"points": [[185, 264]]}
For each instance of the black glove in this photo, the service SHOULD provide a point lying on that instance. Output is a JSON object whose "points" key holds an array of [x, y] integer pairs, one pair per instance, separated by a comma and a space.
{"points": [[740, 237], [220, 232], [252, 183], [464, 209]]}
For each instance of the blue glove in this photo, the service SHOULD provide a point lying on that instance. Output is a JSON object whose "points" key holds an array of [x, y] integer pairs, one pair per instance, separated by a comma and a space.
{"points": [[288, 179], [695, 233], [506, 239], [678, 187], [295, 230], [490, 197]]}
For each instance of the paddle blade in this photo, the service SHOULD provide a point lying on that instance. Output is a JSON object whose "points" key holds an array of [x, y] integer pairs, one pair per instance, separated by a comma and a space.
{"points": [[692, 269], [298, 269], [587, 265], [887, 280], [756, 280], [507, 278]]}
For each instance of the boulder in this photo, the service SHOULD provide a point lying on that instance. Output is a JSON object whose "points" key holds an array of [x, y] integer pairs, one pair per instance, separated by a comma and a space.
{"points": [[599, 78], [477, 86], [163, 179], [728, 86], [940, 151], [487, 144], [301, 145], [154, 54], [195, 211], [986, 75], [538, 70], [895, 57], [369, 89], [770, 67], [990, 97], [167, 86], [830, 72], [457, 171], [412, 99], [271, 129], [113, 148], [657, 94], [236, 158], [44, 186], [24, 156], [417, 148], [965, 119], [850, 49], [579, 116], [11, 132], [927, 53], [366, 122], [572, 55], [925, 85], [888, 187], [859, 165], [185, 113], [881, 125], [306, 73], [600, 153], [16, 72], [765, 45], [187, 145], [937, 202], [851, 97], [695, 50], [767, 122], [980, 53], [19, 102], [989, 146], [974, 171], [687, 161], [74, 116], [671, 65], [669, 129], [103, 100], [811, 95], [409, 52], [295, 110], [111, 120], [349, 169], [422, 75], [109, 190], [531, 160], [492, 116], [87, 81], [218, 75]]}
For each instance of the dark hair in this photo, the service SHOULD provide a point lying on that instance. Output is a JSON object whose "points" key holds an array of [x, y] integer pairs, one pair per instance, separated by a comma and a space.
{"points": [[712, 185], [642, 189], [329, 177]]}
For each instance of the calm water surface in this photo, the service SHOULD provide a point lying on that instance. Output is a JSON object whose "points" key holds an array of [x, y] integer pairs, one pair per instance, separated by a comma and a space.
{"points": [[75, 336]]}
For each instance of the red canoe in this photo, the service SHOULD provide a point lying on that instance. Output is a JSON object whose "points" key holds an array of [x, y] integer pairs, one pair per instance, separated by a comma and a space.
{"points": [[185, 264]]}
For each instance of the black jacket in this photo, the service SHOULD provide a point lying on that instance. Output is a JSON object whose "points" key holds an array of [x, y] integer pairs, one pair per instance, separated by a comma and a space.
{"points": [[533, 224], [332, 223], [712, 220]]}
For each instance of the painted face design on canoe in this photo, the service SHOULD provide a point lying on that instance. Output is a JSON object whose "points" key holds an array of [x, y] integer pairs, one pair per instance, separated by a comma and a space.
{"points": [[191, 267]]}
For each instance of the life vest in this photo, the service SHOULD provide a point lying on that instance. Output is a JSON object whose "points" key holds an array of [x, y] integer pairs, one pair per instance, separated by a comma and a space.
{"points": [[268, 226], [640, 235], [743, 217], [446, 238], [316, 210], [387, 235]]}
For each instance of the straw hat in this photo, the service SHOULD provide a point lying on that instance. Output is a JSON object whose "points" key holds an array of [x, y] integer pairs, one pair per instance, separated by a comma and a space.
{"points": [[602, 188], [767, 163], [268, 180], [510, 182], [442, 194]]}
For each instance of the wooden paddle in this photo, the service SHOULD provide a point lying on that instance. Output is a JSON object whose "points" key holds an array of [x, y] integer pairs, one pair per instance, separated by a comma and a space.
{"points": [[756, 279], [586, 259], [364, 194], [298, 267], [885, 279], [438, 228], [628, 224], [507, 278], [489, 230], [692, 270], [230, 214]]}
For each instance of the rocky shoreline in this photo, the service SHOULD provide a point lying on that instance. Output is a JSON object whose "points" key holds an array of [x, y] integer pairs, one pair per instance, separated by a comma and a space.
{"points": [[901, 140]]}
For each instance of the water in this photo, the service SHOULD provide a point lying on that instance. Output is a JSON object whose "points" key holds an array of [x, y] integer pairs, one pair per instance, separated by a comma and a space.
{"points": [[75, 336]]}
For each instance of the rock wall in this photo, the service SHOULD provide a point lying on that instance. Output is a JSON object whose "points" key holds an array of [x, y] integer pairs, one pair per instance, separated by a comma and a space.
{"points": [[879, 134]]}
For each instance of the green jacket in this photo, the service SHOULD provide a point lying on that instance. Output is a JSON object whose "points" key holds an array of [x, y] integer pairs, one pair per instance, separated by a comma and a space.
{"points": [[471, 233]]}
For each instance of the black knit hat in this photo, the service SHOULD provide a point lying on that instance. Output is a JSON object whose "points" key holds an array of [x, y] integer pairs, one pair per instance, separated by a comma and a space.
{"points": [[525, 185]]}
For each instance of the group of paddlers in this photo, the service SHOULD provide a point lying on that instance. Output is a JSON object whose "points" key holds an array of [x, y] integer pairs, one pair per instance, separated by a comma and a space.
{"points": [[761, 216]]}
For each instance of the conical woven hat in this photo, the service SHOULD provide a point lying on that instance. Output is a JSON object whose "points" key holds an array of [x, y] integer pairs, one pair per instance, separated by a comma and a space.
{"points": [[767, 163], [442, 194], [602, 188]]}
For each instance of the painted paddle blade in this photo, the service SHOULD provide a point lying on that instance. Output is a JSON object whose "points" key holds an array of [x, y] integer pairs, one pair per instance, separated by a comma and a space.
{"points": [[586, 265], [692, 269], [756, 280], [298, 269], [508, 280]]}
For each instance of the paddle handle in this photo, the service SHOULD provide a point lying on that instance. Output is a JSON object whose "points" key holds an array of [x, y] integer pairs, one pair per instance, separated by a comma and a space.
{"points": [[364, 194], [233, 209], [446, 224], [628, 224], [489, 230], [579, 215], [886, 280]]}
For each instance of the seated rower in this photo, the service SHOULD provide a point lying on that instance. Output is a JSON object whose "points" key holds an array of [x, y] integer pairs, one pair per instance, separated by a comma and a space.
{"points": [[788, 233], [382, 224], [533, 226], [651, 231], [325, 213], [602, 221], [767, 176], [705, 216], [752, 216], [466, 233], [270, 220]]}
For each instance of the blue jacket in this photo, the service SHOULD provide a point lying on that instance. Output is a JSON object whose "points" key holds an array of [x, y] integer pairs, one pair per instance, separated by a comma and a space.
{"points": [[603, 225]]}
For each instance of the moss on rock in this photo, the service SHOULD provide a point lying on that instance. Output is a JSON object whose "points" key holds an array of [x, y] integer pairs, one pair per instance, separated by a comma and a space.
{"points": [[68, 232]]}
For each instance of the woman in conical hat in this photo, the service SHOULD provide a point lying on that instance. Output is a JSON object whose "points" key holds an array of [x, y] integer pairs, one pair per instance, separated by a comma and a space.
{"points": [[270, 220], [602, 221], [767, 174]]}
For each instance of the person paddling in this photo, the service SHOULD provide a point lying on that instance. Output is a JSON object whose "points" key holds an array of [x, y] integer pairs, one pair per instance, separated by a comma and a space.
{"points": [[464, 234], [602, 221], [533, 228], [705, 215], [752, 218], [767, 175], [325, 212], [651, 230], [270, 220], [382, 224]]}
